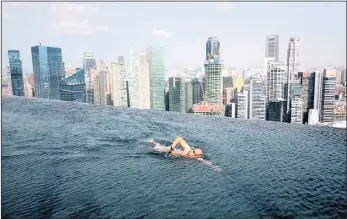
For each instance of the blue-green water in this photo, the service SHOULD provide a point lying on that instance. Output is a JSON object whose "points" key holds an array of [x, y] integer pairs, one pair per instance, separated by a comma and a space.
{"points": [[73, 160]]}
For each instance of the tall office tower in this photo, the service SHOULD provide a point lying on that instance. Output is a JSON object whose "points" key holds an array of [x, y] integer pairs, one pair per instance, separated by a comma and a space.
{"points": [[102, 73], [177, 95], [230, 110], [276, 110], [198, 89], [296, 103], [257, 102], [16, 73], [89, 63], [139, 80], [307, 80], [328, 96], [119, 85], [189, 95], [227, 82], [157, 77], [272, 47], [214, 87], [48, 71], [96, 88], [318, 83], [212, 48], [275, 80], [242, 105], [343, 76], [293, 65], [73, 87]]}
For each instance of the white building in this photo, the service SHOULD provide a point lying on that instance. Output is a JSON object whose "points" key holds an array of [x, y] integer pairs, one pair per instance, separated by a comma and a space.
{"points": [[293, 56], [313, 116], [257, 102], [275, 79], [242, 105], [272, 47], [138, 80], [119, 88], [214, 82]]}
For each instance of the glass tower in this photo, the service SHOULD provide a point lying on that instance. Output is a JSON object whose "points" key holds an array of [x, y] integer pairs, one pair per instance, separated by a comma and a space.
{"points": [[73, 88], [16, 72], [89, 63], [177, 94], [212, 48], [48, 71], [157, 77]]}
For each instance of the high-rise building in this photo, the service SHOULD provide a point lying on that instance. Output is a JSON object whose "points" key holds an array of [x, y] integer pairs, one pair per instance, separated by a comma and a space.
{"points": [[293, 65], [296, 103], [48, 69], [73, 87], [307, 80], [212, 48], [28, 89], [177, 94], [242, 105], [189, 94], [230, 110], [198, 89], [275, 80], [257, 102], [119, 84], [157, 77], [31, 81], [272, 47], [139, 80], [214, 87], [16, 72], [276, 111], [89, 63], [328, 96], [318, 83], [102, 79]]}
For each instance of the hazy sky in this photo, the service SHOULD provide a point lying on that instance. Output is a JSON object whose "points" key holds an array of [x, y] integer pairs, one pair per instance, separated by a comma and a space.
{"points": [[109, 29]]}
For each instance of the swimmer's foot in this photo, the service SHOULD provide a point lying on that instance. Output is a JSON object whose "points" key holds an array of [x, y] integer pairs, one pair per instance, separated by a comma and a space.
{"points": [[150, 141]]}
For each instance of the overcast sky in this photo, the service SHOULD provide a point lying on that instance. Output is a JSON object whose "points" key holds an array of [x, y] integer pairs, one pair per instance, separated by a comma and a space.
{"points": [[109, 29]]}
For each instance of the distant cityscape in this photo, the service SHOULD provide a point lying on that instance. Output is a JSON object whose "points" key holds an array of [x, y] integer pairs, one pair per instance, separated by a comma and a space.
{"points": [[280, 91]]}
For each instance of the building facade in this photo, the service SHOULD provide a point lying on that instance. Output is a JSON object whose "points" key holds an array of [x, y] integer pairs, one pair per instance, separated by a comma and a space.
{"points": [[48, 69], [73, 87], [257, 102], [307, 80], [272, 47], [212, 48], [214, 87], [242, 105], [328, 97], [157, 77], [276, 111], [198, 89], [16, 73], [177, 94], [296, 103], [119, 85], [275, 79], [189, 94]]}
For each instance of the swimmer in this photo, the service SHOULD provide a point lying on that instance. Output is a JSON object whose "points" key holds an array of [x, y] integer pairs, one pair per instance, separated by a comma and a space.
{"points": [[187, 151]]}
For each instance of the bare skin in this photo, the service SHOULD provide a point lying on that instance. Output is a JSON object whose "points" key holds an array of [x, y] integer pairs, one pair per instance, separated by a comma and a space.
{"points": [[186, 152]]}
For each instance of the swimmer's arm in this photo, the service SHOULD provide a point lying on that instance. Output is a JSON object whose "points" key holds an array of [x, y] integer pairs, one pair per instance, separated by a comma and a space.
{"points": [[183, 143]]}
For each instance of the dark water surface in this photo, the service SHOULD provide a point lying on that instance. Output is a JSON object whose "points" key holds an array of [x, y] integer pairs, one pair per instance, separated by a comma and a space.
{"points": [[73, 160]]}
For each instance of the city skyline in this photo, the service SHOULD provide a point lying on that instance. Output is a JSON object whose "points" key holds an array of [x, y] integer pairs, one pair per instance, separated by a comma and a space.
{"points": [[65, 24]]}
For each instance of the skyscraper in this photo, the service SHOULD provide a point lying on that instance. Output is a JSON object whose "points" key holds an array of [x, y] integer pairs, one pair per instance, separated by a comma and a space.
{"points": [[119, 85], [242, 105], [276, 110], [138, 80], [257, 101], [16, 72], [48, 70], [212, 48], [227, 82], [328, 96], [296, 103], [272, 47], [307, 80], [157, 77], [214, 86], [89, 63], [189, 94], [198, 89], [275, 81], [73, 87], [293, 65], [177, 94]]}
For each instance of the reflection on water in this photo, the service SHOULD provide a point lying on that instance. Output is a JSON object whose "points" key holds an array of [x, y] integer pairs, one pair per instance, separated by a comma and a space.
{"points": [[73, 160]]}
